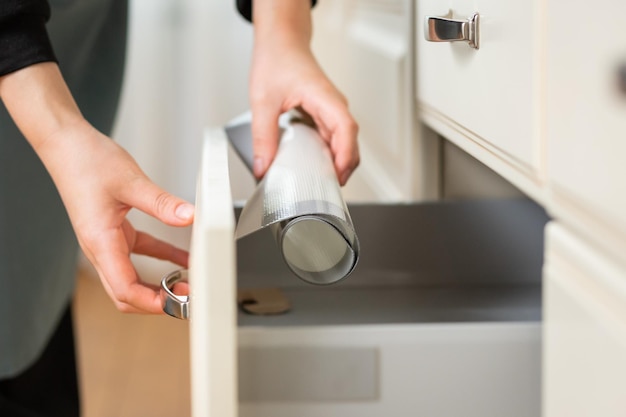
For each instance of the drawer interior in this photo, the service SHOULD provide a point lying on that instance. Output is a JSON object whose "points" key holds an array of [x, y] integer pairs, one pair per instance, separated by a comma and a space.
{"points": [[439, 262]]}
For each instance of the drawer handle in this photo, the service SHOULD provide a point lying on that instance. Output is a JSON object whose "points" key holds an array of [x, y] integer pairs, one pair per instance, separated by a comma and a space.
{"points": [[443, 29], [173, 304]]}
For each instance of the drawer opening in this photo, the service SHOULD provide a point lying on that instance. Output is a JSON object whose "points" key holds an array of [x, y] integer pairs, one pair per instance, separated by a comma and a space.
{"points": [[439, 262]]}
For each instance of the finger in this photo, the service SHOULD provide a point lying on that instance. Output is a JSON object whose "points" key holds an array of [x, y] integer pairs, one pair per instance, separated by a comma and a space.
{"points": [[345, 149], [146, 244], [151, 199], [119, 305], [181, 288], [120, 278], [340, 130], [264, 137]]}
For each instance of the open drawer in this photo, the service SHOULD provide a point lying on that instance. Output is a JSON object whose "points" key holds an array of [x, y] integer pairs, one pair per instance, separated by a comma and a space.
{"points": [[442, 316]]}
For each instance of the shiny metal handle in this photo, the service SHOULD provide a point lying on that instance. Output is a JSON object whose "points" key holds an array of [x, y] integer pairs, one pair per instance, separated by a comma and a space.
{"points": [[173, 304], [443, 29]]}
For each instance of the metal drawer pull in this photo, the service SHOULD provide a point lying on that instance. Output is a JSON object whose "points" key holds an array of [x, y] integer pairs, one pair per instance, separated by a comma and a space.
{"points": [[442, 29], [173, 304]]}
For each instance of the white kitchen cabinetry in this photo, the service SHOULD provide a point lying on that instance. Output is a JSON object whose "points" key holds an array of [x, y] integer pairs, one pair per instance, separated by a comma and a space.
{"points": [[586, 119], [366, 49], [542, 102], [485, 100], [585, 330]]}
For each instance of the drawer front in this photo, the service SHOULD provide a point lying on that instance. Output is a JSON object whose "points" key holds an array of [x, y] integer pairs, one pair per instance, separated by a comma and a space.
{"points": [[586, 118], [212, 276], [585, 331], [485, 100]]}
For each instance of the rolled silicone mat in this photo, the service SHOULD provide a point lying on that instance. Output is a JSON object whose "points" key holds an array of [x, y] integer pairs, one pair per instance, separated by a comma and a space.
{"points": [[300, 200]]}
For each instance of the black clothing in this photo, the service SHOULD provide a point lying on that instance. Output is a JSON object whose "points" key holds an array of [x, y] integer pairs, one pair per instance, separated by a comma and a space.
{"points": [[49, 388], [23, 37], [245, 8], [38, 252]]}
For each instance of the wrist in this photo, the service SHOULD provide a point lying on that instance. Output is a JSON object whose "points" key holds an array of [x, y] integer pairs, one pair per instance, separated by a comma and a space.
{"points": [[39, 102], [280, 23]]}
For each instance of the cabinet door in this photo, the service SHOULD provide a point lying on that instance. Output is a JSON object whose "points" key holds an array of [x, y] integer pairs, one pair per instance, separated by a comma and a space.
{"points": [[584, 330], [485, 100], [586, 118], [212, 277], [365, 47]]}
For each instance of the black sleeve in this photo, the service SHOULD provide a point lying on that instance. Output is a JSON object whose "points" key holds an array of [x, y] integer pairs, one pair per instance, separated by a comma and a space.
{"points": [[23, 37], [245, 8]]}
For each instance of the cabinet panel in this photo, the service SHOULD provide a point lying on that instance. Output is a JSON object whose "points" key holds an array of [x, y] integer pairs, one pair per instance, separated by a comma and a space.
{"points": [[365, 47], [586, 117], [213, 284], [485, 100], [585, 330], [434, 369]]}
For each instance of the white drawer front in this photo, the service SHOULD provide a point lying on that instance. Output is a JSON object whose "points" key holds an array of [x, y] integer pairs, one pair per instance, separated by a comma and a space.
{"points": [[485, 100], [585, 331], [213, 284], [586, 117]]}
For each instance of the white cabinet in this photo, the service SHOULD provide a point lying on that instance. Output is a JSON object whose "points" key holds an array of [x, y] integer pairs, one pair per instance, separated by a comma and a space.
{"points": [[585, 330], [586, 118], [485, 100], [366, 49], [542, 102]]}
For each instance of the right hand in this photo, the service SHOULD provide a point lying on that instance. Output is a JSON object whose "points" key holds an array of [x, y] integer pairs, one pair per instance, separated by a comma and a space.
{"points": [[100, 183]]}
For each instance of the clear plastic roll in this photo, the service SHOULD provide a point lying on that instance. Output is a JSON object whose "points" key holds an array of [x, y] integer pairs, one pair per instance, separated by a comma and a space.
{"points": [[300, 200]]}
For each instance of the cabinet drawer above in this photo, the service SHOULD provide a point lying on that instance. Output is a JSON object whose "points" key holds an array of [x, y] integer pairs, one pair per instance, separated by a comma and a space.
{"points": [[484, 99]]}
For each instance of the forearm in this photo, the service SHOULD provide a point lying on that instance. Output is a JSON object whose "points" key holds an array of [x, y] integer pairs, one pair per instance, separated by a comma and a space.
{"points": [[39, 102]]}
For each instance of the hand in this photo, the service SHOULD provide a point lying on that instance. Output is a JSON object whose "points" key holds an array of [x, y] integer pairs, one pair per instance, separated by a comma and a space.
{"points": [[99, 183], [285, 75]]}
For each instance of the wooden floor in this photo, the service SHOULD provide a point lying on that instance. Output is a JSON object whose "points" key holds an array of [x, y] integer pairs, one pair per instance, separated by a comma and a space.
{"points": [[130, 365]]}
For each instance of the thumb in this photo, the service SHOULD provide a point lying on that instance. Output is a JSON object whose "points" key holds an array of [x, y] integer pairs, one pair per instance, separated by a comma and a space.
{"points": [[264, 138], [152, 200]]}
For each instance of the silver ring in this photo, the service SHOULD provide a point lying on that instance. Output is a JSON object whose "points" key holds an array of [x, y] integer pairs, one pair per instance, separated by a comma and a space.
{"points": [[173, 304]]}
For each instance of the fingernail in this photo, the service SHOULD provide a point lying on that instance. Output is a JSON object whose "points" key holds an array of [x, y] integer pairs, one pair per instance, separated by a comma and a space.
{"points": [[258, 166], [184, 211]]}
